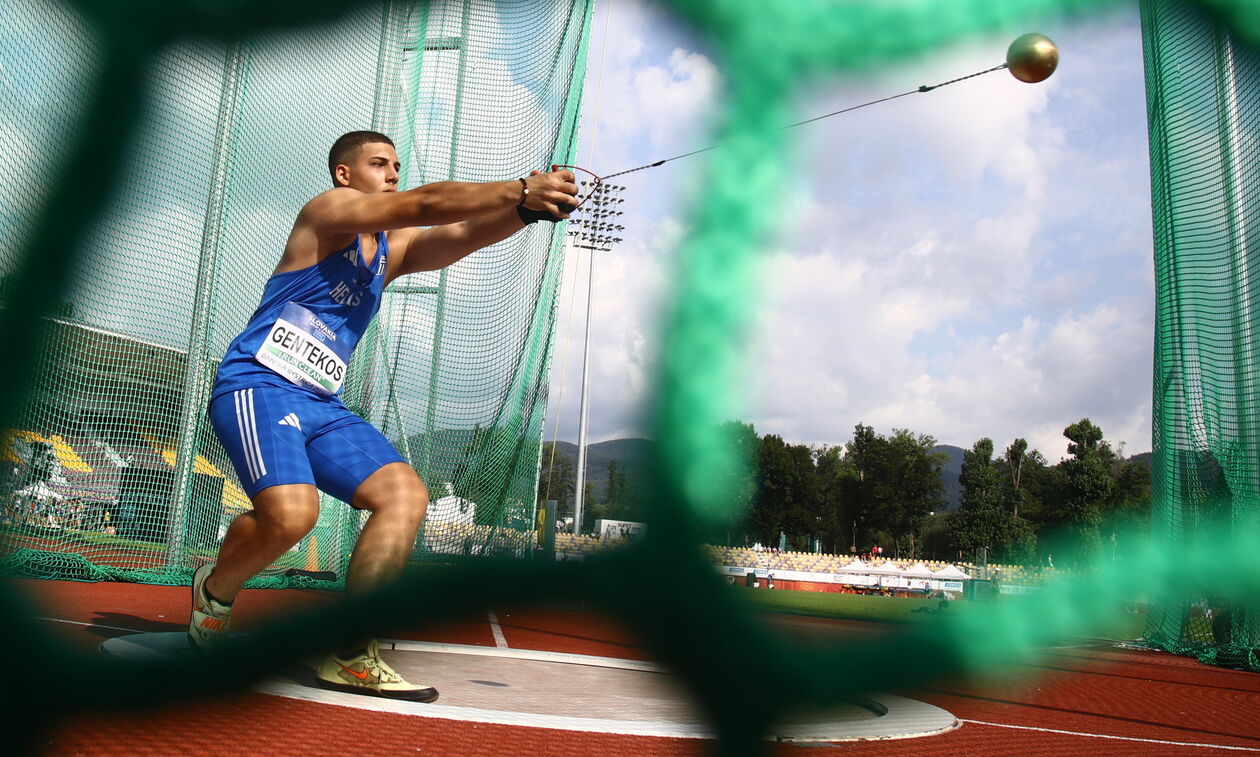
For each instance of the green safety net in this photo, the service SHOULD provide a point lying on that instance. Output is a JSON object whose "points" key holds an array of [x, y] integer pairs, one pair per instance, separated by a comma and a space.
{"points": [[1203, 94], [113, 470], [200, 89]]}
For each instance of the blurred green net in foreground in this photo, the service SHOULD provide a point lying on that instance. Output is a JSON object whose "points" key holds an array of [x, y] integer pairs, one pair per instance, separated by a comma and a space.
{"points": [[1206, 459]]}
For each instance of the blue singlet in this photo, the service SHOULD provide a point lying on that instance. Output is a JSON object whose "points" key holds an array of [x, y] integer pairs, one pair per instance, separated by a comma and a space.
{"points": [[307, 325], [275, 405]]}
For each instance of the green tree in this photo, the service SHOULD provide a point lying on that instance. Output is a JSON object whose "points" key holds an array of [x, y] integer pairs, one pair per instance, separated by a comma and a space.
{"points": [[485, 474], [1043, 486], [858, 486], [936, 536], [1088, 485], [787, 499], [861, 453], [556, 480], [979, 522], [635, 503], [907, 486], [984, 518], [776, 477], [739, 480], [1015, 456], [1021, 466], [592, 510], [1127, 512], [1020, 545], [981, 485], [616, 491], [624, 496], [802, 517], [834, 527]]}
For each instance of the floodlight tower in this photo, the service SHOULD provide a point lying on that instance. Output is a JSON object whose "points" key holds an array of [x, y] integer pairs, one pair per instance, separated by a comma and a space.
{"points": [[594, 230]]}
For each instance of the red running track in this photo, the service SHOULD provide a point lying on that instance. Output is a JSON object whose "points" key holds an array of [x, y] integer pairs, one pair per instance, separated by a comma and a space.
{"points": [[1092, 699]]}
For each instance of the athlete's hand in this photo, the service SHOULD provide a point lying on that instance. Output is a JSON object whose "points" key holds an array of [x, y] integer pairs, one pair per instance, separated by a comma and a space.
{"points": [[554, 192]]}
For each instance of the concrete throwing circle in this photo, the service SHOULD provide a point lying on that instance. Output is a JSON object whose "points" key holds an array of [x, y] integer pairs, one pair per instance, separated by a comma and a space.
{"points": [[568, 692]]}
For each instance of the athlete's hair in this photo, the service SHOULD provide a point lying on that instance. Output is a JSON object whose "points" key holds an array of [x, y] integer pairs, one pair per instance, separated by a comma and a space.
{"points": [[347, 147]]}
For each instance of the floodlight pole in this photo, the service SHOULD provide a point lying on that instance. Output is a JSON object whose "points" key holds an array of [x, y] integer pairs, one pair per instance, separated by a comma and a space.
{"points": [[580, 484], [597, 237]]}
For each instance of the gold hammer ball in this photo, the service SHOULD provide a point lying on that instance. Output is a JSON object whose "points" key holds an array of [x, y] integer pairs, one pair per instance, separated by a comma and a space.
{"points": [[1032, 58]]}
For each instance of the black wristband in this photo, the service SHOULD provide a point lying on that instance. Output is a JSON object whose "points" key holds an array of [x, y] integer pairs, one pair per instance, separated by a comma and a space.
{"points": [[529, 216], [524, 192]]}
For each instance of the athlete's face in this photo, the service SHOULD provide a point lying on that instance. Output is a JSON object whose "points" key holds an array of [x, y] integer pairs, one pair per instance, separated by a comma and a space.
{"points": [[374, 169]]}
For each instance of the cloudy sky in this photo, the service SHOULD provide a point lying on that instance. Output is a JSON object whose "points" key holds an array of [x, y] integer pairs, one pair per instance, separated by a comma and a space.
{"points": [[970, 262]]}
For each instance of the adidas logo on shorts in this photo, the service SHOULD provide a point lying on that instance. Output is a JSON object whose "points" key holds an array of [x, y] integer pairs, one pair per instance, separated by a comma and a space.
{"points": [[291, 420]]}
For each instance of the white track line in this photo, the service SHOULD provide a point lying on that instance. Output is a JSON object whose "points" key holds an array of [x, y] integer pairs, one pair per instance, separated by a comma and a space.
{"points": [[617, 663], [1118, 738], [482, 715], [499, 640], [93, 625]]}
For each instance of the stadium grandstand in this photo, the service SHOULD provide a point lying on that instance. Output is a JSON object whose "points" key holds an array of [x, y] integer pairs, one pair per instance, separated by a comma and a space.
{"points": [[97, 434]]}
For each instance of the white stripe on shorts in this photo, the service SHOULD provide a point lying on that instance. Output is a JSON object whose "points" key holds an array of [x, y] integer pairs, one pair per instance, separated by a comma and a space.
{"points": [[238, 398], [249, 434], [253, 426]]}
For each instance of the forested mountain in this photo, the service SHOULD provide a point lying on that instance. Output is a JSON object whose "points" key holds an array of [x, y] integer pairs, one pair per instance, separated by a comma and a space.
{"points": [[630, 455]]}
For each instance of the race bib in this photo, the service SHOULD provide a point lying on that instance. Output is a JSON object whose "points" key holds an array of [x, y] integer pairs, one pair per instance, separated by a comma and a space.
{"points": [[301, 348]]}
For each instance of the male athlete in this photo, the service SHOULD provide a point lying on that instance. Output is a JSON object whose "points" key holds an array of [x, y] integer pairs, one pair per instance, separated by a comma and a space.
{"points": [[275, 405]]}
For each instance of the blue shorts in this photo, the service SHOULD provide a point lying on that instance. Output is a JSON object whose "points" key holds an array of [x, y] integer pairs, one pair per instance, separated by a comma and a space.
{"points": [[280, 436]]}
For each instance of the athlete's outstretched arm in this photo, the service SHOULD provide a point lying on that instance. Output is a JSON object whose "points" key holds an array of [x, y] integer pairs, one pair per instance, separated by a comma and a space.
{"points": [[439, 246], [348, 211]]}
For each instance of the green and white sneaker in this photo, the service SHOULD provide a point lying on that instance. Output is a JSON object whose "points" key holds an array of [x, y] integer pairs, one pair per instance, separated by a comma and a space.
{"points": [[211, 620], [368, 674]]}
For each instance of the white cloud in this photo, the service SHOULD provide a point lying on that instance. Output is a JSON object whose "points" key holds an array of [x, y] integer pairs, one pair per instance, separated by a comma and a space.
{"points": [[630, 284], [652, 91], [679, 92]]}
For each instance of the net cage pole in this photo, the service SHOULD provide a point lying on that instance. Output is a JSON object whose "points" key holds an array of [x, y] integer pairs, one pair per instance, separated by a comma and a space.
{"points": [[435, 361], [579, 486], [198, 372], [362, 372], [398, 293]]}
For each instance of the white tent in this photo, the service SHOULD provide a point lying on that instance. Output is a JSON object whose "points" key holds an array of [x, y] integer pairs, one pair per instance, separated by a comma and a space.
{"points": [[452, 509], [39, 490], [857, 566], [919, 570], [888, 575], [951, 573]]}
